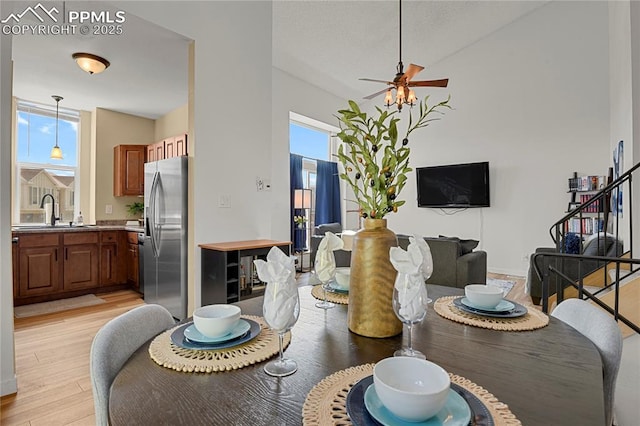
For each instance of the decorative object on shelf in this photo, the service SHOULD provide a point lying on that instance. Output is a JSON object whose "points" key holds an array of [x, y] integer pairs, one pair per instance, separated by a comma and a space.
{"points": [[300, 220], [136, 208], [281, 305], [93, 64], [402, 81], [375, 167], [56, 152]]}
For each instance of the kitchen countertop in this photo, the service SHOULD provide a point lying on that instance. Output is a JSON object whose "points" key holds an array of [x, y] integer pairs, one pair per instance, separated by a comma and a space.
{"points": [[67, 228]]}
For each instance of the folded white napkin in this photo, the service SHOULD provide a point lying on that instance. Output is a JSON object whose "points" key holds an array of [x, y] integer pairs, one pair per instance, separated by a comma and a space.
{"points": [[325, 265], [409, 285], [280, 306], [427, 260]]}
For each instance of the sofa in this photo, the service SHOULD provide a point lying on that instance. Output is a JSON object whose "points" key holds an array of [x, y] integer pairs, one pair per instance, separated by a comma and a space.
{"points": [[455, 262], [597, 245]]}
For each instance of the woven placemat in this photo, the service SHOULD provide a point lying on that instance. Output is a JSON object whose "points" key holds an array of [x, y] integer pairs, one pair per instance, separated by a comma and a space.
{"points": [[341, 298], [264, 346], [326, 402], [532, 320]]}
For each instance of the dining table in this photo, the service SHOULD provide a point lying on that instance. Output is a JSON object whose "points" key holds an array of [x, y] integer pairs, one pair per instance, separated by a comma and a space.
{"points": [[548, 376]]}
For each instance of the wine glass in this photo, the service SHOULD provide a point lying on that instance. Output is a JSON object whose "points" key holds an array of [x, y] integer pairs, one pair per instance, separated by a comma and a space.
{"points": [[281, 317], [325, 275], [410, 306]]}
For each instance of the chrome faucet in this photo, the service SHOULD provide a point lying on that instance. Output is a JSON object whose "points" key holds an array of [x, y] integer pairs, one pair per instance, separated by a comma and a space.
{"points": [[53, 208]]}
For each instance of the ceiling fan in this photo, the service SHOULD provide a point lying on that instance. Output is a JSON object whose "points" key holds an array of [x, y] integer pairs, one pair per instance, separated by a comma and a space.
{"points": [[402, 81]]}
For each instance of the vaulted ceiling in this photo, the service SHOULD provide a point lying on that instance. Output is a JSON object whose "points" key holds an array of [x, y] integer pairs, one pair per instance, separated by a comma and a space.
{"points": [[330, 44]]}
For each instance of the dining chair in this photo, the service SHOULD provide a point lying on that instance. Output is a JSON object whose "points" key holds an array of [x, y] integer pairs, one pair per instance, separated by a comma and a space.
{"points": [[599, 327], [114, 343]]}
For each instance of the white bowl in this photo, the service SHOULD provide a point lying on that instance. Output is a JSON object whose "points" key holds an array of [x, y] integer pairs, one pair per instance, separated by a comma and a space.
{"points": [[216, 320], [343, 274], [412, 389], [483, 296]]}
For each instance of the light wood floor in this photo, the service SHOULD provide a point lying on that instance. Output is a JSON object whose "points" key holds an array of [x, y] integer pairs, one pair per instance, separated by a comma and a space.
{"points": [[52, 364], [52, 361]]}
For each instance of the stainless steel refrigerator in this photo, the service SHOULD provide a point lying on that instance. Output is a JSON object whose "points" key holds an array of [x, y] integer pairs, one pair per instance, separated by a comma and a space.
{"points": [[165, 244]]}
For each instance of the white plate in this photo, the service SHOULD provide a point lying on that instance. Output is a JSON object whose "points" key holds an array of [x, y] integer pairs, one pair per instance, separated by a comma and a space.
{"points": [[503, 306], [194, 335]]}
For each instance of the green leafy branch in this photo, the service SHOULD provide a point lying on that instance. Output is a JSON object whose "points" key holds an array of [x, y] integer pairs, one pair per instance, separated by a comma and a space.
{"points": [[375, 163]]}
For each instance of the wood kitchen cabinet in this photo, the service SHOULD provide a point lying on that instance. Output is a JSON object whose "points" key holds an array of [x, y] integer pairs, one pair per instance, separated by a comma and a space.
{"points": [[155, 151], [174, 146], [55, 265], [112, 258], [128, 170], [81, 260], [38, 270], [133, 259]]}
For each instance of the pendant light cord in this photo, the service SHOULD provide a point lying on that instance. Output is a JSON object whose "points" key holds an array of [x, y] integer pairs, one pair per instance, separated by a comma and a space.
{"points": [[57, 105], [400, 31]]}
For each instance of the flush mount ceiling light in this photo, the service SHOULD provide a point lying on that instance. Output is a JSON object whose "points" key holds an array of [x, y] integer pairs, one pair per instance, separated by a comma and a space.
{"points": [[402, 82], [93, 64], [56, 152]]}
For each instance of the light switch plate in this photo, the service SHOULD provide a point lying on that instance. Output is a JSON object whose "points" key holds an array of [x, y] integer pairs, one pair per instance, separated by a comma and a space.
{"points": [[224, 201], [108, 209]]}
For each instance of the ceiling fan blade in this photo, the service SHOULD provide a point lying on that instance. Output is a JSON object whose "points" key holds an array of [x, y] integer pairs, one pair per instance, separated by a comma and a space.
{"points": [[376, 81], [412, 70], [431, 83], [375, 94]]}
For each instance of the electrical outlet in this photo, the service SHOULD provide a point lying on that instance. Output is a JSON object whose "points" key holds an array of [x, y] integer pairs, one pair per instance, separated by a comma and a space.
{"points": [[260, 186], [108, 209]]}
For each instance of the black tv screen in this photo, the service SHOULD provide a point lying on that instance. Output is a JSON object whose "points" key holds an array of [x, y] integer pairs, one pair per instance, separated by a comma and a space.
{"points": [[455, 185]]}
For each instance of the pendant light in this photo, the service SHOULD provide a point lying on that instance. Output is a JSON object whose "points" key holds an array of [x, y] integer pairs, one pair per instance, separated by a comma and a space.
{"points": [[56, 152]]}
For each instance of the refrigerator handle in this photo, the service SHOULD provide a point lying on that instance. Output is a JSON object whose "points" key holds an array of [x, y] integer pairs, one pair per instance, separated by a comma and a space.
{"points": [[152, 214]]}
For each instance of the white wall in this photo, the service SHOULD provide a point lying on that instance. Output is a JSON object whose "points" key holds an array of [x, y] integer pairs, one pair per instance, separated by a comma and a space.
{"points": [[8, 382], [232, 116], [295, 95], [532, 99]]}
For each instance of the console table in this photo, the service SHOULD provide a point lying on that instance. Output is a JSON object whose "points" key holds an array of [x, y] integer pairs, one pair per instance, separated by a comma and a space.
{"points": [[227, 271]]}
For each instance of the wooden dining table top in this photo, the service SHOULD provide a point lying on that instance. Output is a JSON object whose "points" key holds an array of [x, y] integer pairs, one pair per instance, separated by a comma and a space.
{"points": [[549, 376]]}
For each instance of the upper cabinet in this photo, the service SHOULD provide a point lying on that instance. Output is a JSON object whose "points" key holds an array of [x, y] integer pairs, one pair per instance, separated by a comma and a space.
{"points": [[128, 170], [175, 146]]}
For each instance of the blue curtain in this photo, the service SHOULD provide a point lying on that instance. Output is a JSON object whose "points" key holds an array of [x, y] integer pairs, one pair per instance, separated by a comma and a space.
{"points": [[295, 177], [327, 193]]}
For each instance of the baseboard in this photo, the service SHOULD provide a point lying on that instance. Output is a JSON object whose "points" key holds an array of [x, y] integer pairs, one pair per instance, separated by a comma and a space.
{"points": [[7, 387]]}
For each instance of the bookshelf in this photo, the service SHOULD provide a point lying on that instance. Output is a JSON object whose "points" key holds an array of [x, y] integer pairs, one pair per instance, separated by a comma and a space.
{"points": [[582, 189]]}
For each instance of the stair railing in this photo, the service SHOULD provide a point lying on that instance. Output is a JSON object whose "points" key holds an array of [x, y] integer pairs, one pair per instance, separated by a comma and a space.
{"points": [[607, 219]]}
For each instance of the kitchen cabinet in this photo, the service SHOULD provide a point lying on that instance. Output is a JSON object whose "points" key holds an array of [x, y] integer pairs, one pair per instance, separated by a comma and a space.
{"points": [[38, 265], [155, 151], [174, 146], [54, 265], [133, 258], [112, 262], [81, 261], [128, 170]]}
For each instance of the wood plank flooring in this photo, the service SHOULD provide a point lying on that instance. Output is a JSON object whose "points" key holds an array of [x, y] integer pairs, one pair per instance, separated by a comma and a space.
{"points": [[52, 361], [52, 364]]}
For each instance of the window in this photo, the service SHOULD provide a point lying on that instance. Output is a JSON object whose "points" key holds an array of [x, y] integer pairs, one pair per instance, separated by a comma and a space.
{"points": [[36, 174]]}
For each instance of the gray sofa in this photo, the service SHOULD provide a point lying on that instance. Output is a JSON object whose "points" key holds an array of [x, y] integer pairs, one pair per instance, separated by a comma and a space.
{"points": [[455, 262]]}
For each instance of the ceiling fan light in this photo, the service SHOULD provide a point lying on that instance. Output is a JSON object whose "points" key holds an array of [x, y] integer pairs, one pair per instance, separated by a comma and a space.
{"points": [[400, 95], [411, 99], [388, 98], [90, 63]]}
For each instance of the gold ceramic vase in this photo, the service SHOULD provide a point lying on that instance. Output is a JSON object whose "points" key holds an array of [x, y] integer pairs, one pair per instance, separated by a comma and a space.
{"points": [[370, 311]]}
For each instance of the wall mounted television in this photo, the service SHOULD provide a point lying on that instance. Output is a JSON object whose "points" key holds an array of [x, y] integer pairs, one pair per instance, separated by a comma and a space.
{"points": [[454, 185]]}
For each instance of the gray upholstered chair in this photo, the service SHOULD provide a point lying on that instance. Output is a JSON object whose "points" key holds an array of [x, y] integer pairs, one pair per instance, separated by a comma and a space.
{"points": [[113, 345], [603, 331]]}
